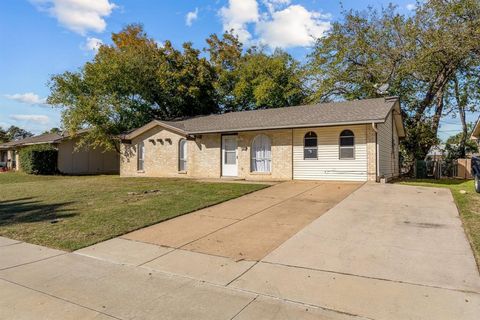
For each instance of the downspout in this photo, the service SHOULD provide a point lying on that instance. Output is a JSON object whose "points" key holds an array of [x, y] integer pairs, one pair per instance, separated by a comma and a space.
{"points": [[377, 160], [292, 157]]}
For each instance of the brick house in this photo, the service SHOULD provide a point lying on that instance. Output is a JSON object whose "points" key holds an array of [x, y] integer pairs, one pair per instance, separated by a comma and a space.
{"points": [[351, 141]]}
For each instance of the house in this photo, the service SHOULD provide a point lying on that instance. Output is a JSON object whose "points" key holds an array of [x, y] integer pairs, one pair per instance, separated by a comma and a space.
{"points": [[70, 161], [476, 133], [352, 141]]}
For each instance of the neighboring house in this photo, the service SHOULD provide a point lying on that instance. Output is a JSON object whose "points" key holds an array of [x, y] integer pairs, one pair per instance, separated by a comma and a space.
{"points": [[476, 133], [354, 140], [436, 153], [70, 161]]}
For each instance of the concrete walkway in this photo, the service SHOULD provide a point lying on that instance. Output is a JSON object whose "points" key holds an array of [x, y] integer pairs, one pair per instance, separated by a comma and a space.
{"points": [[385, 252]]}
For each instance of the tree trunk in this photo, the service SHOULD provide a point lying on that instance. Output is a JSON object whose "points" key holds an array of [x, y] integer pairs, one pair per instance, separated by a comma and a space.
{"points": [[461, 104]]}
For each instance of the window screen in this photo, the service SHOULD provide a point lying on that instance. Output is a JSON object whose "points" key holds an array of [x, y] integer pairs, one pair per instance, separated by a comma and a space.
{"points": [[347, 145], [310, 146]]}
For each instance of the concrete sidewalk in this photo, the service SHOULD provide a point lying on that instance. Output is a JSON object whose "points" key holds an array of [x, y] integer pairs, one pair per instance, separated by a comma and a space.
{"points": [[54, 285]]}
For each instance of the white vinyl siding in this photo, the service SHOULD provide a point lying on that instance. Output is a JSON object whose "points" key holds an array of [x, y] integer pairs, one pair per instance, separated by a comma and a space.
{"points": [[388, 148], [328, 166]]}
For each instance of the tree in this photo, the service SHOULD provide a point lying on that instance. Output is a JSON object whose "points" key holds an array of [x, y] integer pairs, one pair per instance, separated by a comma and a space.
{"points": [[53, 130], [253, 79], [3, 135], [460, 146], [131, 82], [14, 133], [417, 57]]}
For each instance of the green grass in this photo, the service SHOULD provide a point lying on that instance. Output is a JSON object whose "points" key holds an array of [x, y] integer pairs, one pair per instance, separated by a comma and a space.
{"points": [[73, 212], [468, 205]]}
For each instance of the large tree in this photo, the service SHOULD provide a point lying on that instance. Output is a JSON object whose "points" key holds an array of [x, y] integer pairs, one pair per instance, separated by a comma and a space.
{"points": [[252, 78], [418, 57], [14, 133], [131, 82]]}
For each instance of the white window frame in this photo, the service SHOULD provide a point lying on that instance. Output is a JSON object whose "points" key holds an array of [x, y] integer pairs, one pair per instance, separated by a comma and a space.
{"points": [[267, 157], [182, 155], [340, 147], [141, 156], [310, 147]]}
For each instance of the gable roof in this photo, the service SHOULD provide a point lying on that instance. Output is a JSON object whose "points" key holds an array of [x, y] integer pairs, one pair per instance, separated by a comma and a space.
{"points": [[476, 130], [40, 139], [323, 114]]}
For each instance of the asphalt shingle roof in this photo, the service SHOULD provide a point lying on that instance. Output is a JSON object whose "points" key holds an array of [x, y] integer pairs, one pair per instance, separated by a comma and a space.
{"points": [[42, 138], [348, 112]]}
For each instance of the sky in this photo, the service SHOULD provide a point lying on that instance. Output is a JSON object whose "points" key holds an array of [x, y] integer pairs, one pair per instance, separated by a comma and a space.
{"points": [[40, 38]]}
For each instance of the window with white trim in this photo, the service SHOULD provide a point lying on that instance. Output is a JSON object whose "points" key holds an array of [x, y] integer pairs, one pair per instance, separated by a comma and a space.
{"points": [[261, 154], [182, 155], [310, 145], [347, 145], [140, 156]]}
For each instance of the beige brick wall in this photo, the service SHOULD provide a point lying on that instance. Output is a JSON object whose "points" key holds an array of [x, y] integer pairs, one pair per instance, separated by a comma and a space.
{"points": [[205, 161], [161, 159], [371, 154], [204, 155], [281, 155]]}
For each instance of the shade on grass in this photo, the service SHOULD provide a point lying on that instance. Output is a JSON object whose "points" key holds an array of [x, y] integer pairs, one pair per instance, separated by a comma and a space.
{"points": [[73, 212]]}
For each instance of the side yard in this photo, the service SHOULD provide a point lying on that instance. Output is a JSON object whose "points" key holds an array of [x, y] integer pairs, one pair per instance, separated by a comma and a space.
{"points": [[69, 213], [468, 205]]}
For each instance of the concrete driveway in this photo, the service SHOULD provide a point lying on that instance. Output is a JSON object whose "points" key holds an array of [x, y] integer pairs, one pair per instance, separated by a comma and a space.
{"points": [[249, 227], [384, 252]]}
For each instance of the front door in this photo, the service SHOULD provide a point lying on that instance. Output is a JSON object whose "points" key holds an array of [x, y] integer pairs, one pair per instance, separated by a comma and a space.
{"points": [[229, 156]]}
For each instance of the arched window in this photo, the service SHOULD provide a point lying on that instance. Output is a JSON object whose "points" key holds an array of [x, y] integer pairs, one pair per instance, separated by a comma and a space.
{"points": [[140, 156], [261, 154], [310, 146], [347, 145], [182, 155]]}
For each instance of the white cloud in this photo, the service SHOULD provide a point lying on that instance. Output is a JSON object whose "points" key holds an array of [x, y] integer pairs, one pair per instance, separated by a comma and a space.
{"points": [[92, 44], [411, 6], [35, 118], [80, 16], [273, 5], [191, 16], [280, 24], [29, 98], [293, 26], [237, 15]]}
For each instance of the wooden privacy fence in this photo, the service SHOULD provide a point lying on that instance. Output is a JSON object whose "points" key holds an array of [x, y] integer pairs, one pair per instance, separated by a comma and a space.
{"points": [[464, 169], [437, 169]]}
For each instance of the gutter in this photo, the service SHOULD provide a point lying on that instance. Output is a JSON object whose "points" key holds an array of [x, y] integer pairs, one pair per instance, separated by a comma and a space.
{"points": [[311, 125]]}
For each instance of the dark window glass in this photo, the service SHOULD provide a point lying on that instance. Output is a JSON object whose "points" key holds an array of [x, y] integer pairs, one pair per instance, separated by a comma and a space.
{"points": [[310, 146], [347, 145]]}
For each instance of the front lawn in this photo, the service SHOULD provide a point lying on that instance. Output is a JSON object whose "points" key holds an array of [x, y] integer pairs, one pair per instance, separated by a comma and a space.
{"points": [[73, 212], [468, 204]]}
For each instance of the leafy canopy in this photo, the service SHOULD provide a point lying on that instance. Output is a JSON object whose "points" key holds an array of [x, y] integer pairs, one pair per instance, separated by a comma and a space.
{"points": [[135, 80]]}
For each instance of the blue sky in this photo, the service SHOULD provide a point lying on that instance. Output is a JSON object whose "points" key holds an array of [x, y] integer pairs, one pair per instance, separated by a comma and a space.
{"points": [[40, 38]]}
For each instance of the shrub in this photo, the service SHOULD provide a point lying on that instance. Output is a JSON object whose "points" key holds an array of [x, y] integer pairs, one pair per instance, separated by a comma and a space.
{"points": [[39, 159]]}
